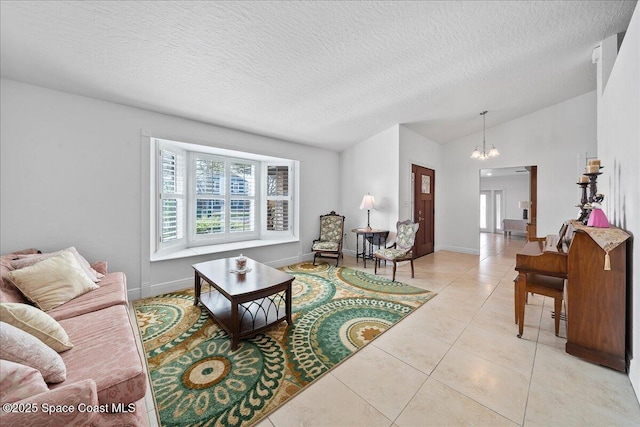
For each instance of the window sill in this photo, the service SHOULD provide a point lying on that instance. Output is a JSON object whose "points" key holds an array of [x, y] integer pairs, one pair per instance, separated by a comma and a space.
{"points": [[225, 247]]}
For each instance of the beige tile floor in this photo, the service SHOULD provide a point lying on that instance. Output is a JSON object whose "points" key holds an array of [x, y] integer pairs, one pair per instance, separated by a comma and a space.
{"points": [[457, 361]]}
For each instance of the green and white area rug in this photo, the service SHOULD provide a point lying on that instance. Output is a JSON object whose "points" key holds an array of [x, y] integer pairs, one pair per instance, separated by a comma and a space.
{"points": [[198, 381]]}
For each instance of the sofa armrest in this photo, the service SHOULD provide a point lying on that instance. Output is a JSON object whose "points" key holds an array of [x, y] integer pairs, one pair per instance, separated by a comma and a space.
{"points": [[100, 267], [63, 406]]}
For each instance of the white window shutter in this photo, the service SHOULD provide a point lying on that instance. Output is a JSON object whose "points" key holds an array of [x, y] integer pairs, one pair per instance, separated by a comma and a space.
{"points": [[278, 198]]}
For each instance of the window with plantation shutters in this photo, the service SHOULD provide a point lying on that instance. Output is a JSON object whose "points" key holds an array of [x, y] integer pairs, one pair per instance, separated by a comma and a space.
{"points": [[278, 198], [171, 197], [225, 197], [242, 194], [208, 197]]}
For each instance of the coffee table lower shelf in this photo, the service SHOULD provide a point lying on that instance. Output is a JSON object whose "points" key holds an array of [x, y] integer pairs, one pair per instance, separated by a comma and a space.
{"points": [[252, 316]]}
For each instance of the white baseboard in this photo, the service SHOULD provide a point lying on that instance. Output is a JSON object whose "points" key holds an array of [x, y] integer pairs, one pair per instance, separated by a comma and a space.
{"points": [[151, 290], [133, 294], [470, 251]]}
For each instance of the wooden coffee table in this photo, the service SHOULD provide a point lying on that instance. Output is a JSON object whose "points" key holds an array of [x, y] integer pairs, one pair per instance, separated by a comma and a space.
{"points": [[243, 304]]}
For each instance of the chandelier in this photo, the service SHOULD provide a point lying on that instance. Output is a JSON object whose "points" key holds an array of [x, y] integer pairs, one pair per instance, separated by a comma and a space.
{"points": [[477, 154]]}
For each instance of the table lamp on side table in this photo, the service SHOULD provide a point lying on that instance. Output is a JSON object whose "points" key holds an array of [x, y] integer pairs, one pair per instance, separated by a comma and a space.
{"points": [[368, 203]]}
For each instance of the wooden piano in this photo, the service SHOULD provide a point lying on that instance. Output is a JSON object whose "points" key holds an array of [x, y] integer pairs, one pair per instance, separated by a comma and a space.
{"points": [[595, 297], [542, 268], [548, 256]]}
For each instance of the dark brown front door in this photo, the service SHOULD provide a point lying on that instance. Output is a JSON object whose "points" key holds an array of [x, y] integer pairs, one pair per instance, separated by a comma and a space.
{"points": [[424, 184]]}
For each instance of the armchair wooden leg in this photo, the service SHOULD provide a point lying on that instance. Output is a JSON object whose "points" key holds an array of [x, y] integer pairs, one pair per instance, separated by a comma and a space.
{"points": [[412, 268], [394, 272], [375, 266]]}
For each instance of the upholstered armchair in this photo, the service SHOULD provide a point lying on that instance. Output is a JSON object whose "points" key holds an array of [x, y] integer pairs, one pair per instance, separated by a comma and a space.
{"points": [[329, 244], [402, 250]]}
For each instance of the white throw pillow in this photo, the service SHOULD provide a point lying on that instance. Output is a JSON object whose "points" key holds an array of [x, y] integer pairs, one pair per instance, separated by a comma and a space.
{"points": [[36, 322], [52, 282]]}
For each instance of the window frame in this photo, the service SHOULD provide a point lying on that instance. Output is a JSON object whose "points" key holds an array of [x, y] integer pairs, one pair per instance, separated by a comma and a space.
{"points": [[189, 240]]}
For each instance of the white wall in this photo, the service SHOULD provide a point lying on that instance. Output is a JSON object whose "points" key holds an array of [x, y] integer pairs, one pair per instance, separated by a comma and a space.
{"points": [[556, 139], [370, 166], [74, 171], [381, 165], [515, 188], [619, 151]]}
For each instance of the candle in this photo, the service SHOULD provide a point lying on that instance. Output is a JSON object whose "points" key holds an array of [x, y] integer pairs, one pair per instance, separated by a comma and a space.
{"points": [[595, 162], [583, 178], [592, 169]]}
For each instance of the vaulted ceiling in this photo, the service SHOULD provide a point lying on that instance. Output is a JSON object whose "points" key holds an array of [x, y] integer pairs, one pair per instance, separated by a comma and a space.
{"points": [[328, 73]]}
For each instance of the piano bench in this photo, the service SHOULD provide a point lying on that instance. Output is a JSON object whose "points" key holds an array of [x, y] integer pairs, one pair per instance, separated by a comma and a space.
{"points": [[549, 286]]}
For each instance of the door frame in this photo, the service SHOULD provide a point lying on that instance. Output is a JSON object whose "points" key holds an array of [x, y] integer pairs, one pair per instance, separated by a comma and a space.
{"points": [[533, 200], [414, 185]]}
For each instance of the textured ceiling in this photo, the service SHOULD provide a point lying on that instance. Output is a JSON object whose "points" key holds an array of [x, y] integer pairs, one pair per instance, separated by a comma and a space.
{"points": [[320, 73]]}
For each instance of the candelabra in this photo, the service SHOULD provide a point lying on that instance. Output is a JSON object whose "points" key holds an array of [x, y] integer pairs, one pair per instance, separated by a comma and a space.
{"points": [[588, 179]]}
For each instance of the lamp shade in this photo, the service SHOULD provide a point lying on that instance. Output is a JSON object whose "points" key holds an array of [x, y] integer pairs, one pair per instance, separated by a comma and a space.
{"points": [[523, 204], [368, 202]]}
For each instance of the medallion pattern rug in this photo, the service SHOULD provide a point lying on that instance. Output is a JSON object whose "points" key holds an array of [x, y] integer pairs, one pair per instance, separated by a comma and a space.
{"points": [[198, 380]]}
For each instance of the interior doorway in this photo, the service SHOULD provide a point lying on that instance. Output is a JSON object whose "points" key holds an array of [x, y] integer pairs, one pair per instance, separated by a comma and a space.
{"points": [[505, 193], [424, 184]]}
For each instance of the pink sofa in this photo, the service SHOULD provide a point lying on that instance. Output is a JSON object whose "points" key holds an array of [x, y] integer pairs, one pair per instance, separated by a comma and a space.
{"points": [[106, 379]]}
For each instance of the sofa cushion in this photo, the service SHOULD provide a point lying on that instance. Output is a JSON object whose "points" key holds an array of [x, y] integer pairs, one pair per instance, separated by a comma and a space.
{"points": [[30, 259], [36, 322], [112, 290], [53, 281], [80, 396], [19, 381], [21, 347], [105, 350]]}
